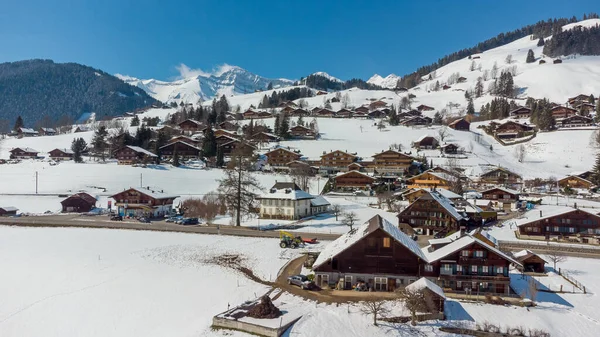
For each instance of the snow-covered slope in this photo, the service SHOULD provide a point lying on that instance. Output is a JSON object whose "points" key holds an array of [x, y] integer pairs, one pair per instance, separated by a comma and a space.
{"points": [[389, 81], [327, 76], [225, 80]]}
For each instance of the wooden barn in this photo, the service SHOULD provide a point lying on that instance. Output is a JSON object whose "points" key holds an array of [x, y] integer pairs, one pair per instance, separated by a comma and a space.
{"points": [[78, 203]]}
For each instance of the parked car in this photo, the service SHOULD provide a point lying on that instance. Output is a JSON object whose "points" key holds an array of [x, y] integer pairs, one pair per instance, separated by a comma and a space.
{"points": [[190, 221], [175, 218], [116, 218], [144, 219], [301, 281]]}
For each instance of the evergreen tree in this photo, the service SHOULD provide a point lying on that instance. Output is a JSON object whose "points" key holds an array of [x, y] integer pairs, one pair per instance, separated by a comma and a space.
{"points": [[78, 146], [277, 123], [470, 107], [437, 86], [530, 56], [220, 158], [223, 108], [176, 161], [437, 118], [479, 87], [300, 121], [249, 130], [540, 42], [596, 171], [143, 135], [592, 99], [18, 123], [393, 117], [270, 86], [284, 128], [209, 146], [161, 140], [99, 142], [135, 121]]}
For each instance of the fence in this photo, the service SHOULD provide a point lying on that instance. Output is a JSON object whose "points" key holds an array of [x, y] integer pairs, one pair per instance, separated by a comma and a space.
{"points": [[572, 280]]}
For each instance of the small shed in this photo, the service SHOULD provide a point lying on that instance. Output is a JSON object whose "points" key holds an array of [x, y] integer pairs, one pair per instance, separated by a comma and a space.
{"points": [[8, 211], [557, 61], [78, 203], [434, 295], [531, 261]]}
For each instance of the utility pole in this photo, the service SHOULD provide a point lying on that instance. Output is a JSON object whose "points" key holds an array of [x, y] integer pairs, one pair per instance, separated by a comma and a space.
{"points": [[141, 184], [36, 182]]}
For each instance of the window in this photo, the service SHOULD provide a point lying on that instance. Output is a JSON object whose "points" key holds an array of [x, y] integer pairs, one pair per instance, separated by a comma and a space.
{"points": [[381, 283], [387, 242], [458, 284], [458, 267], [484, 285], [474, 269], [464, 253], [324, 280], [371, 242], [556, 229], [500, 270], [479, 253], [429, 267], [571, 229], [484, 269]]}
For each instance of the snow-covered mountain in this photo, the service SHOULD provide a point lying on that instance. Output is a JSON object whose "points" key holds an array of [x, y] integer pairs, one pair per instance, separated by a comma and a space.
{"points": [[200, 86], [388, 82], [327, 76]]}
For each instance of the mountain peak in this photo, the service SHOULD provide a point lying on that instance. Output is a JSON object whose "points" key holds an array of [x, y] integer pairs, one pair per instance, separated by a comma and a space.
{"points": [[327, 76], [390, 81]]}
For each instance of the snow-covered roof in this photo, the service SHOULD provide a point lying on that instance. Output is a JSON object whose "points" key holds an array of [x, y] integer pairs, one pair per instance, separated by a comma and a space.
{"points": [[503, 189], [184, 143], [339, 174], [48, 129], [423, 283], [446, 193], [446, 204], [482, 202], [547, 211], [459, 244], [25, 149], [319, 200], [285, 194], [154, 193], [9, 208], [141, 150], [67, 151], [349, 239], [422, 137], [27, 130]]}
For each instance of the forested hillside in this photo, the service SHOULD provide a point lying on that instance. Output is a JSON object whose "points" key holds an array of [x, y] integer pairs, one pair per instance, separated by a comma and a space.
{"points": [[579, 40], [42, 89]]}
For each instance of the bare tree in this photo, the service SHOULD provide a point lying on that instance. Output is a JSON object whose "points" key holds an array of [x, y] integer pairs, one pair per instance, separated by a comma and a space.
{"points": [[380, 125], [472, 66], [508, 59], [302, 175], [346, 101], [556, 258], [239, 184], [336, 209], [520, 152], [414, 301], [486, 75], [302, 103], [595, 138], [349, 219], [375, 308], [442, 133]]}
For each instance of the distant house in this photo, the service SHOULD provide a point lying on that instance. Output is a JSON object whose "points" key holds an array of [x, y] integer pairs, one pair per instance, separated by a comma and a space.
{"points": [[299, 112], [319, 205], [190, 125], [324, 113], [61, 154], [426, 142], [183, 149], [542, 62], [500, 176], [461, 79], [585, 108], [343, 113], [449, 148], [149, 202], [376, 114], [129, 154], [78, 203], [223, 132], [302, 132], [185, 139], [26, 132], [417, 120], [46, 131], [581, 98], [520, 112], [431, 291], [23, 153], [575, 121], [377, 104], [229, 126], [415, 193], [424, 107], [353, 180], [460, 124], [362, 109], [250, 114], [287, 110], [8, 211], [264, 137], [557, 61], [511, 130], [574, 181], [531, 261], [244, 148], [81, 128], [280, 157], [431, 179], [502, 198], [391, 161], [336, 161], [285, 200], [561, 222], [320, 93], [559, 112], [446, 87]]}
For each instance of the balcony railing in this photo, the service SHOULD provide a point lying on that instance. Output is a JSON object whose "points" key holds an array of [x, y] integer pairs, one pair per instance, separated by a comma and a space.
{"points": [[470, 277]]}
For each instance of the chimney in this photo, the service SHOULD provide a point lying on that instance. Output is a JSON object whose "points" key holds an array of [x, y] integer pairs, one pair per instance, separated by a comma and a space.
{"points": [[540, 213], [575, 205]]}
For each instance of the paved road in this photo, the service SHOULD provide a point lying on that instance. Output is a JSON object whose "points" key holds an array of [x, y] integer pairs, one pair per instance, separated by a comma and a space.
{"points": [[103, 222]]}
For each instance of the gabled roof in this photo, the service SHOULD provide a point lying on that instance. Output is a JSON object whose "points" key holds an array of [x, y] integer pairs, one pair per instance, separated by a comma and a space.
{"points": [[573, 176], [140, 150], [283, 149], [420, 139], [549, 211], [48, 130], [319, 200], [503, 189], [344, 152], [9, 208], [352, 237], [444, 176], [285, 191], [458, 121], [25, 149], [27, 130], [149, 192], [423, 283], [301, 127], [460, 244], [84, 196], [392, 151], [340, 174], [67, 151], [182, 142], [444, 202], [499, 169], [191, 120]]}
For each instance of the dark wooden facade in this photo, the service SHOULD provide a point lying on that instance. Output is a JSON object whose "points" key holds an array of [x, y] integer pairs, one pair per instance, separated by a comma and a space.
{"points": [[430, 214], [353, 180], [184, 150], [500, 176], [8, 211], [23, 153], [575, 182], [424, 107], [460, 124], [302, 132], [562, 112], [78, 203], [512, 129], [427, 142], [143, 201], [61, 154], [281, 157], [190, 125], [572, 223], [336, 161], [500, 194], [132, 154], [576, 121], [391, 161], [520, 112]]}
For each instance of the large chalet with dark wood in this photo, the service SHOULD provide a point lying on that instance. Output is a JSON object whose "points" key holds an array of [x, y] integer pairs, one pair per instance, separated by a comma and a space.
{"points": [[460, 125], [148, 202], [431, 213], [575, 121], [223, 139], [377, 105], [280, 157], [353, 180], [46, 131], [376, 253], [416, 120], [511, 129], [559, 112], [78, 203], [500, 176], [431, 179], [324, 113], [449, 148], [185, 139], [577, 100], [129, 154], [336, 161], [501, 197], [26, 132], [229, 148], [299, 113], [561, 223], [250, 114], [302, 132], [585, 108], [229, 126], [343, 113], [23, 153], [264, 137], [520, 112], [183, 149], [575, 181], [61, 154], [362, 109], [190, 126], [426, 142], [391, 161]]}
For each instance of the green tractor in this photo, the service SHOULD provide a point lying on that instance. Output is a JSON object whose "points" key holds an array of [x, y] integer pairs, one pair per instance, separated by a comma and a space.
{"points": [[289, 240]]}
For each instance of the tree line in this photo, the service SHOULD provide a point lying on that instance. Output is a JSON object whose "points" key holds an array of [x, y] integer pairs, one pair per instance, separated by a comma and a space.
{"points": [[579, 40]]}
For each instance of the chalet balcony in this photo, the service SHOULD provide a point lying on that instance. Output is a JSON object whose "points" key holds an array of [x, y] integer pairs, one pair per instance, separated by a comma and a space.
{"points": [[464, 260], [475, 277]]}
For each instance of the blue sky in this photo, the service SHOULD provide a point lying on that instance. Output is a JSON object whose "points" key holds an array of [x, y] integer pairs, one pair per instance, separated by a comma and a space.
{"points": [[150, 39]]}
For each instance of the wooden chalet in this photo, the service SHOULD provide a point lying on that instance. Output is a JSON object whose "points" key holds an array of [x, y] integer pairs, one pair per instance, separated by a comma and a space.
{"points": [[46, 131], [561, 223], [299, 113], [520, 112], [324, 113], [449, 148], [148, 202], [460, 124], [185, 139], [585, 108], [575, 121], [391, 161], [223, 132], [224, 138], [500, 176], [288, 110], [376, 114], [376, 253], [531, 262], [314, 110], [343, 113], [78, 203], [577, 100], [557, 61], [237, 145], [377, 105], [321, 92], [576, 182], [250, 114], [559, 112], [129, 154], [26, 132], [336, 161], [431, 179], [435, 298], [301, 166], [426, 142], [502, 198], [280, 157], [414, 112], [8, 211], [353, 180], [302, 132], [431, 213], [190, 126], [61, 154], [461, 79], [416, 120], [229, 126], [23, 153], [81, 128], [511, 129], [362, 109], [183, 149], [446, 87], [264, 137], [356, 166], [264, 114], [424, 107]]}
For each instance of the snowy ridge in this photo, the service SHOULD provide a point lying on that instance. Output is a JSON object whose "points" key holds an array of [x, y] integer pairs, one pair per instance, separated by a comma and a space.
{"points": [[327, 76], [389, 82]]}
